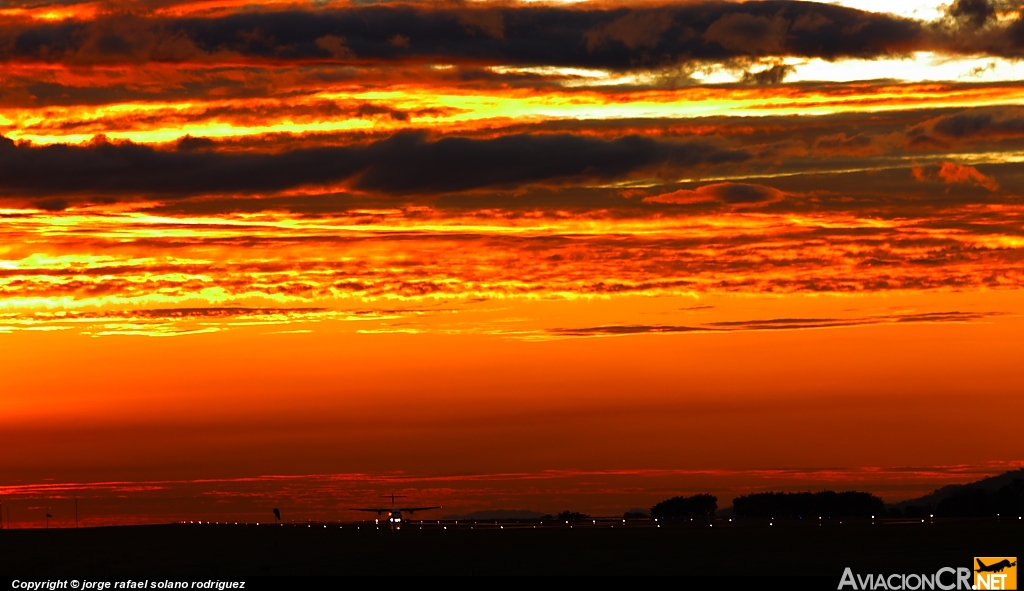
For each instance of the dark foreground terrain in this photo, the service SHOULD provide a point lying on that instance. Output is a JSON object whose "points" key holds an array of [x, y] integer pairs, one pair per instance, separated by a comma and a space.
{"points": [[223, 551]]}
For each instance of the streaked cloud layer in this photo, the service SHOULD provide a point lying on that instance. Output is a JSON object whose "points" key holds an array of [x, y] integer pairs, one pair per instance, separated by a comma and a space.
{"points": [[331, 175]]}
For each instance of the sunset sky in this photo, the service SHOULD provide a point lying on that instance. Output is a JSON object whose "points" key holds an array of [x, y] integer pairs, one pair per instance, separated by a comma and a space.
{"points": [[504, 255]]}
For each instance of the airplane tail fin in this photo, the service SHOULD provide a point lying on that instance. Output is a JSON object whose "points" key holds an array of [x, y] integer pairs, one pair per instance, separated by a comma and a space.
{"points": [[981, 565]]}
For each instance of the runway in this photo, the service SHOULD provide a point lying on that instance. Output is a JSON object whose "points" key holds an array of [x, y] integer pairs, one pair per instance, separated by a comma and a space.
{"points": [[722, 548]]}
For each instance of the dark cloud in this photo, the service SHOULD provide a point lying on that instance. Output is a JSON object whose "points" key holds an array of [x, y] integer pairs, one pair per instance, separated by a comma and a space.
{"points": [[774, 324], [841, 143], [458, 164], [773, 75], [796, 323], [891, 193], [627, 329], [371, 110], [972, 28], [741, 193], [406, 163], [974, 12], [728, 193], [209, 312], [964, 124], [975, 124], [839, 162], [189, 143], [167, 83], [619, 38], [52, 204]]}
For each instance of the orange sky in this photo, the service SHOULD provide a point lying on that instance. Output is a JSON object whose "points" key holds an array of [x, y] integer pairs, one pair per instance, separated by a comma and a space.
{"points": [[595, 263]]}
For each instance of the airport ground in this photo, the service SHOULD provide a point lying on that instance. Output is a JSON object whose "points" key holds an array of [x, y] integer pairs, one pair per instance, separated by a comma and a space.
{"points": [[788, 548]]}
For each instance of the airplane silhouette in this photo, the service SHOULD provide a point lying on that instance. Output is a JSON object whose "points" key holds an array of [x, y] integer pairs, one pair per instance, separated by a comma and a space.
{"points": [[994, 568], [394, 513]]}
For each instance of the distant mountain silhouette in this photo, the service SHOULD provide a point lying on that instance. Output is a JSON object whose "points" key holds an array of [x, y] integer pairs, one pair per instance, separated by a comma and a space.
{"points": [[498, 514], [992, 484]]}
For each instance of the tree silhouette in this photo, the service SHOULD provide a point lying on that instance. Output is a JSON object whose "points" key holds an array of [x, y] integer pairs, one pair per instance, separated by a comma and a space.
{"points": [[702, 505], [799, 505], [571, 516]]}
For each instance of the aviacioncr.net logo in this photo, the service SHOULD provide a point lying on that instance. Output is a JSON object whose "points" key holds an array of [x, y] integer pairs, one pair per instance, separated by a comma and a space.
{"points": [[995, 572], [945, 579]]}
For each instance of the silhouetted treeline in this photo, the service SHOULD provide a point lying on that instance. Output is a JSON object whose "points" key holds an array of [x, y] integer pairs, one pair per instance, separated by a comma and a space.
{"points": [[702, 505], [572, 516], [976, 502], [809, 505]]}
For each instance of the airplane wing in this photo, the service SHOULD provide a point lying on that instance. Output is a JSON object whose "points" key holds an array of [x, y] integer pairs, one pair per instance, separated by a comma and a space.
{"points": [[376, 510], [411, 509]]}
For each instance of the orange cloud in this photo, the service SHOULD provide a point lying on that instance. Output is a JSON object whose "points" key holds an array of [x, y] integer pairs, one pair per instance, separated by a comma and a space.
{"points": [[952, 172]]}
